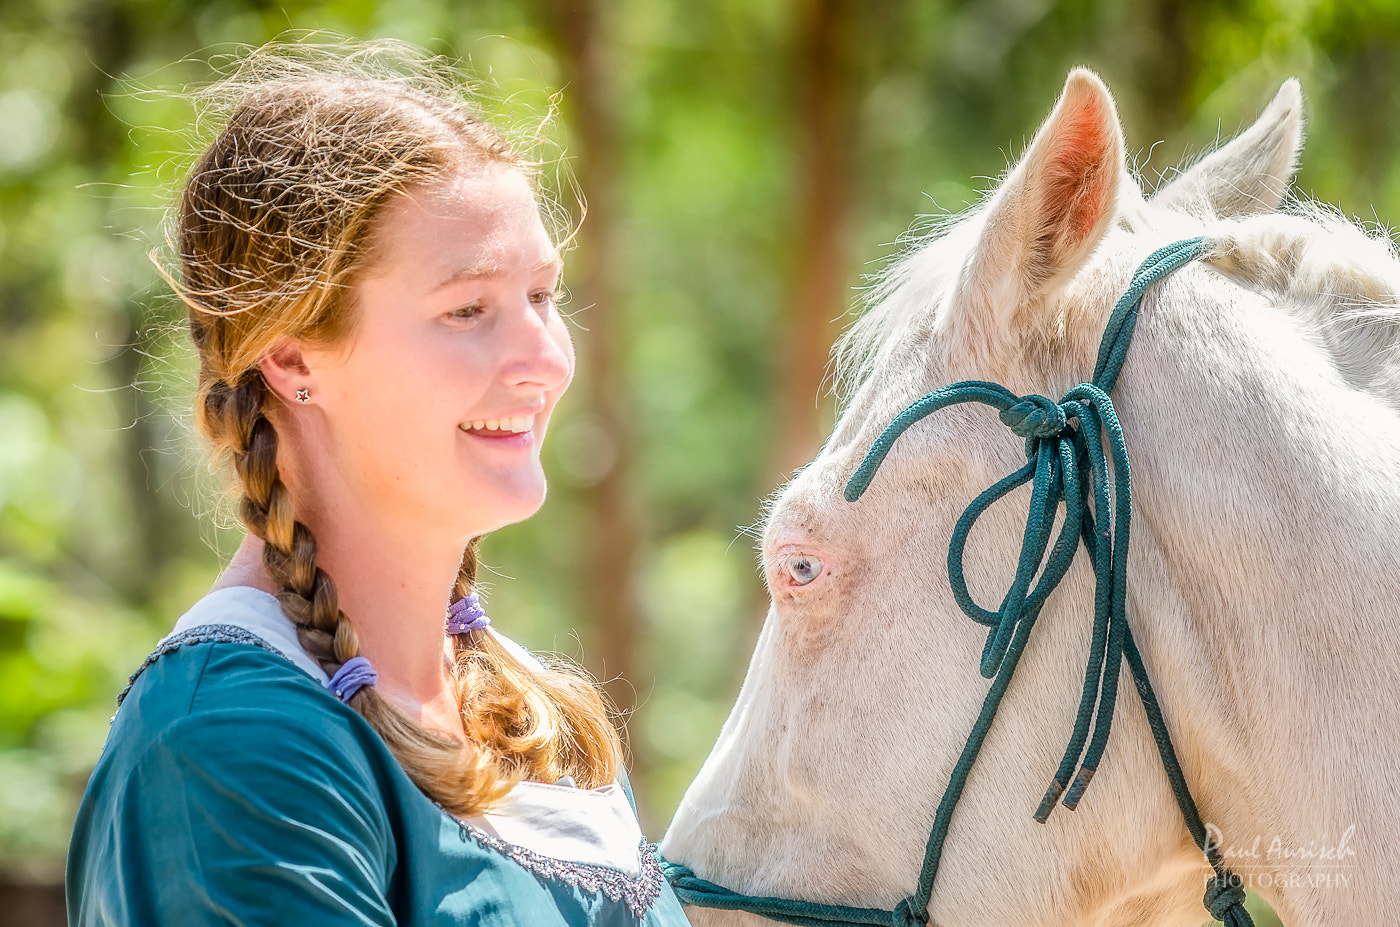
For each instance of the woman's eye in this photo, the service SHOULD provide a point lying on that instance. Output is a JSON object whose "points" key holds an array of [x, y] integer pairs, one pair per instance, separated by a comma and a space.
{"points": [[466, 312], [549, 296], [803, 568]]}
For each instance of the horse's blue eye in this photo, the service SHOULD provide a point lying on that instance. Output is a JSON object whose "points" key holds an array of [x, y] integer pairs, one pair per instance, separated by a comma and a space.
{"points": [[803, 568]]}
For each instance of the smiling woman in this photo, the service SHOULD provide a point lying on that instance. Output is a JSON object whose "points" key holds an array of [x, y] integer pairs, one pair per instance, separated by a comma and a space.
{"points": [[334, 734], [458, 356]]}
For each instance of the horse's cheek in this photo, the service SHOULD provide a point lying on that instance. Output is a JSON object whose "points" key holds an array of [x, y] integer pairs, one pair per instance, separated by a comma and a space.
{"points": [[809, 620]]}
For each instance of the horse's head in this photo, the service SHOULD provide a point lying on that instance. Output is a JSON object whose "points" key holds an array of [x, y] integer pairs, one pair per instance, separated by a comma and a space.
{"points": [[865, 681]]}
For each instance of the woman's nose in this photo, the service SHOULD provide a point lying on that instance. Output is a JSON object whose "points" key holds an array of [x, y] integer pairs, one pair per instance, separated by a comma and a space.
{"points": [[544, 353]]}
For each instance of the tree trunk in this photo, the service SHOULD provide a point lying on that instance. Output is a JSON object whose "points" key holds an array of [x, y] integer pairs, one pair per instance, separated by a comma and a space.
{"points": [[31, 905], [1167, 71], [109, 34], [825, 127], [609, 544]]}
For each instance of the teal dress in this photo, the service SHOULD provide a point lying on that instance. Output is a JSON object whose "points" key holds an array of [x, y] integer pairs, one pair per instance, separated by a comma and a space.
{"points": [[235, 790]]}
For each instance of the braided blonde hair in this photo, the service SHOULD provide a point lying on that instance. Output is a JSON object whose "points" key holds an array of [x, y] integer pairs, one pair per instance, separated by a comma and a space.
{"points": [[268, 235]]}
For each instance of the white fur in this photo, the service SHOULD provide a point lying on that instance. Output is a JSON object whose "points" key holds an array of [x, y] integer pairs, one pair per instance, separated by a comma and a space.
{"points": [[1261, 405]]}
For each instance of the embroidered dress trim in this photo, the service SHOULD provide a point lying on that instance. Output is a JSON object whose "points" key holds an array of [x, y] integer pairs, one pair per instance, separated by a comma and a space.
{"points": [[204, 634], [639, 893]]}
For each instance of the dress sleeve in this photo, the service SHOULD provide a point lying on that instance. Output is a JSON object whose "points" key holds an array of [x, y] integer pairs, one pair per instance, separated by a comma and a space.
{"points": [[247, 817]]}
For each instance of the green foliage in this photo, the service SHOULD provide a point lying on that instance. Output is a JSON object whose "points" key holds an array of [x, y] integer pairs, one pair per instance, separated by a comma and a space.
{"points": [[109, 524], [61, 658]]}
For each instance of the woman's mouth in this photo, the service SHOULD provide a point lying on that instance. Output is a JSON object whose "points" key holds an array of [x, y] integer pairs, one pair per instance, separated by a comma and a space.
{"points": [[499, 427]]}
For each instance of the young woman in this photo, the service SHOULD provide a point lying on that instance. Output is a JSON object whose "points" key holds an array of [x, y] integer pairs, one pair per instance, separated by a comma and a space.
{"points": [[334, 735]]}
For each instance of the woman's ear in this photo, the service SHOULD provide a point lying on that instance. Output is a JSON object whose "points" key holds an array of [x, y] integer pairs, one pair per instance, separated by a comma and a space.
{"points": [[286, 372]]}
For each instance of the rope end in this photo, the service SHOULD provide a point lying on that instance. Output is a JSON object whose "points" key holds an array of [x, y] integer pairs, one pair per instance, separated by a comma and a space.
{"points": [[1047, 804], [1076, 791]]}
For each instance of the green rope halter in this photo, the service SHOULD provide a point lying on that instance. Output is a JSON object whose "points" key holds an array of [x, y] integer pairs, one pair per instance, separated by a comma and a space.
{"points": [[1058, 455]]}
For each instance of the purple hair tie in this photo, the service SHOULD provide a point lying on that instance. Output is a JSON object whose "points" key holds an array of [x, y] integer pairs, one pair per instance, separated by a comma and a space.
{"points": [[354, 674], [466, 614]]}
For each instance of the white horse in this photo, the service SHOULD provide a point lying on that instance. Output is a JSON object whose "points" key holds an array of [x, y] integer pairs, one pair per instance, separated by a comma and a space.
{"points": [[1260, 401]]}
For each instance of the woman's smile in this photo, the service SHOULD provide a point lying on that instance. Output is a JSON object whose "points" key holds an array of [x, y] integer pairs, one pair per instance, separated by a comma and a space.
{"points": [[514, 433], [512, 423], [458, 327]]}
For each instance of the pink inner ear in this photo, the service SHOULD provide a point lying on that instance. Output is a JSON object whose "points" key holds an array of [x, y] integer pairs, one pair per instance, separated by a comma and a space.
{"points": [[1078, 178]]}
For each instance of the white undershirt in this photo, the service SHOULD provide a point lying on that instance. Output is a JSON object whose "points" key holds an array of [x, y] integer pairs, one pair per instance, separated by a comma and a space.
{"points": [[591, 826]]}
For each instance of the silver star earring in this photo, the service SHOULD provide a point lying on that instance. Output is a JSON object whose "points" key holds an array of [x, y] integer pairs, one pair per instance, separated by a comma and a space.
{"points": [[303, 396]]}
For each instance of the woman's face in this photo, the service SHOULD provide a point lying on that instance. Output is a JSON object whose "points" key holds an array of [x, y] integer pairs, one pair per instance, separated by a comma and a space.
{"points": [[435, 410]]}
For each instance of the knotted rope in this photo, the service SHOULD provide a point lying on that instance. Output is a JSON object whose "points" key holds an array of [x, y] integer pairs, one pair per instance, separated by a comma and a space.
{"points": [[1067, 462]]}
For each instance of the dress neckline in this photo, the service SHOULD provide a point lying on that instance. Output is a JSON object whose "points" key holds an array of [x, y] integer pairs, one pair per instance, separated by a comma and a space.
{"points": [[594, 828]]}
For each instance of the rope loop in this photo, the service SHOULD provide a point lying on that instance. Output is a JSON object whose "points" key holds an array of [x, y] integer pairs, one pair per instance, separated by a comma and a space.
{"points": [[1035, 417]]}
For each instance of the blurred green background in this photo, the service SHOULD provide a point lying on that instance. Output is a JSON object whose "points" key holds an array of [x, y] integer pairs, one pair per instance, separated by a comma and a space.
{"points": [[746, 162]]}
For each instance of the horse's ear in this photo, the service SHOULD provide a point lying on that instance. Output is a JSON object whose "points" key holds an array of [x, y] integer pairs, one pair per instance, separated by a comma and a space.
{"points": [[1251, 173], [1044, 220]]}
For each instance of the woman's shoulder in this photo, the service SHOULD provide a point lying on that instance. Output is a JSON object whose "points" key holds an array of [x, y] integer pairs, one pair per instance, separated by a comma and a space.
{"points": [[232, 667], [223, 750], [243, 615]]}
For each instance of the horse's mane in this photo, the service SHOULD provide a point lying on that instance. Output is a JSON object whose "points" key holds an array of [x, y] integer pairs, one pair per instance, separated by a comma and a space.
{"points": [[920, 275], [1335, 277], [1338, 280]]}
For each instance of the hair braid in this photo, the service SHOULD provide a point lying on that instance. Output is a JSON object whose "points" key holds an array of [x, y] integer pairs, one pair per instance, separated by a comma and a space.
{"points": [[308, 594], [308, 598], [538, 733]]}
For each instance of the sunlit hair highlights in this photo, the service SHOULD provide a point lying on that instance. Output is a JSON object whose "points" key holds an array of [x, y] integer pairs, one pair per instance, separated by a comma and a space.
{"points": [[269, 234]]}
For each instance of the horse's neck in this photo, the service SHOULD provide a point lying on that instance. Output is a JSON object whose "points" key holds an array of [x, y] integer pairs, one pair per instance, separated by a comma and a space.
{"points": [[1266, 582]]}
